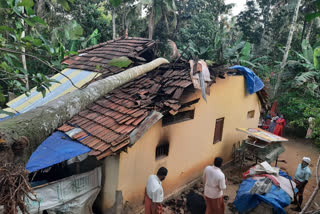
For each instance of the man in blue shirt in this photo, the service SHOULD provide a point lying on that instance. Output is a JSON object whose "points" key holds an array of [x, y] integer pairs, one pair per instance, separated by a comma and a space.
{"points": [[301, 178]]}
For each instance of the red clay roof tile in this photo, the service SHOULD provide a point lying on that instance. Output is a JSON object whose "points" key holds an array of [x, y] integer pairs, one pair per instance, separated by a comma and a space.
{"points": [[65, 128], [140, 119], [121, 145], [94, 152], [130, 121], [105, 154], [87, 140], [79, 135]]}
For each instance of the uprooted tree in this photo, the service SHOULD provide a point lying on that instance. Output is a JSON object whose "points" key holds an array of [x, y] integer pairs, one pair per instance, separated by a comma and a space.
{"points": [[21, 135]]}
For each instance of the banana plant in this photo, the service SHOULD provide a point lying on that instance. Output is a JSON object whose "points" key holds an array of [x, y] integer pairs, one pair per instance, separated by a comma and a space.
{"points": [[309, 74]]}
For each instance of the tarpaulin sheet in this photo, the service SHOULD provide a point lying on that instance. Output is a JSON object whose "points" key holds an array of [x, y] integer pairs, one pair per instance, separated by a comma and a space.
{"points": [[254, 83], [276, 197], [56, 148]]}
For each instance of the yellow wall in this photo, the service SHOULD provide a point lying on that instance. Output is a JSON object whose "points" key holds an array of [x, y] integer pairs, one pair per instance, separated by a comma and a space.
{"points": [[191, 142]]}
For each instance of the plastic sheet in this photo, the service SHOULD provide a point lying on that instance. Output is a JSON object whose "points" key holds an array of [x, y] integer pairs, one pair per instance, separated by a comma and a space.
{"points": [[56, 148], [254, 83], [245, 202]]}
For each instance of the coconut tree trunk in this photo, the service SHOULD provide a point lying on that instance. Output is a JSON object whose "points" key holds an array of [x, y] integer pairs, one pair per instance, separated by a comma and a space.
{"points": [[151, 20], [113, 24], [266, 15], [21, 135], [23, 57], [288, 46]]}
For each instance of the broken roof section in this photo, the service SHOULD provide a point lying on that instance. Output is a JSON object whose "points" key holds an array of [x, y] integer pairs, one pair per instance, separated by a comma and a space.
{"points": [[112, 123], [97, 58], [107, 123]]}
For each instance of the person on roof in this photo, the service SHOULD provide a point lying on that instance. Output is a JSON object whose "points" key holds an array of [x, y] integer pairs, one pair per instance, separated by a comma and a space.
{"points": [[301, 178], [214, 184], [154, 192], [281, 122]]}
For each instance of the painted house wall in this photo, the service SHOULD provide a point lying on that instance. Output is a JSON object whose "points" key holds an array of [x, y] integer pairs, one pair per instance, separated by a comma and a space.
{"points": [[191, 142]]}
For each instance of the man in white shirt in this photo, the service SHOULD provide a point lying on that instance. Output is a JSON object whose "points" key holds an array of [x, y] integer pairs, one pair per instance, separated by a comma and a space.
{"points": [[215, 183], [154, 192], [301, 178]]}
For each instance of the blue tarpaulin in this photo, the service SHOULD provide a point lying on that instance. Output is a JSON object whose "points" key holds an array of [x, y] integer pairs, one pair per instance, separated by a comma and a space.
{"points": [[56, 148], [245, 201], [254, 83]]}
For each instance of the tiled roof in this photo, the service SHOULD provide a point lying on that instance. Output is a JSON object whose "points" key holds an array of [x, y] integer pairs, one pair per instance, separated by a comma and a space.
{"points": [[105, 126], [107, 123], [96, 58]]}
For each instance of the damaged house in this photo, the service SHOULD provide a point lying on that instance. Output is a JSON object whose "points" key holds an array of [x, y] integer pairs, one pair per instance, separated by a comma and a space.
{"points": [[163, 118]]}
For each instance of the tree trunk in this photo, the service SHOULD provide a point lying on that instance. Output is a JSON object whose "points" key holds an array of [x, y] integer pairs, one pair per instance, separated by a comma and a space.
{"points": [[113, 24], [288, 46], [309, 31], [21, 135], [151, 20], [303, 29], [23, 57], [266, 14], [40, 8], [315, 191]]}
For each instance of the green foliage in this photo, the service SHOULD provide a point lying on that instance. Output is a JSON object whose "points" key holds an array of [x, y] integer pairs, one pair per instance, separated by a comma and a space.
{"points": [[46, 47], [316, 58], [316, 13], [91, 16], [255, 38], [298, 109], [315, 112], [65, 3], [115, 3], [121, 62]]}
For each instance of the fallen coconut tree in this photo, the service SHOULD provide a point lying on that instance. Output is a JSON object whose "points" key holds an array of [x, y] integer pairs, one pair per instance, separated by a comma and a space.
{"points": [[21, 135]]}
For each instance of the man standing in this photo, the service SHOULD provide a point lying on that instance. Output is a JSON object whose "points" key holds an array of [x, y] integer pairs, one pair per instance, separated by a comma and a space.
{"points": [[214, 181], [301, 178], [154, 192]]}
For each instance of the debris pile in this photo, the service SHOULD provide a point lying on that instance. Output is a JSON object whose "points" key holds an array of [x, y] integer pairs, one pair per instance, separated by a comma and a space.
{"points": [[180, 204], [190, 201]]}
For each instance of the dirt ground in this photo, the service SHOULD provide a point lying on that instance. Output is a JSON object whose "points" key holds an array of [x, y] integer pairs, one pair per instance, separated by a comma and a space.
{"points": [[296, 149]]}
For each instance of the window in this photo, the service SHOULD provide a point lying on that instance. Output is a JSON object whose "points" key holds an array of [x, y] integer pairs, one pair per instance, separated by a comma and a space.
{"points": [[218, 130], [178, 118], [250, 114], [162, 151]]}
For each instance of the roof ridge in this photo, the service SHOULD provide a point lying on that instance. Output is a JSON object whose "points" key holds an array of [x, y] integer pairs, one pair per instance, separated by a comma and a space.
{"points": [[98, 45]]}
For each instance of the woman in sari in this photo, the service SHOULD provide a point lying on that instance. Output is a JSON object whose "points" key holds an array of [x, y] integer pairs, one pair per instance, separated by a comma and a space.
{"points": [[281, 122]]}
